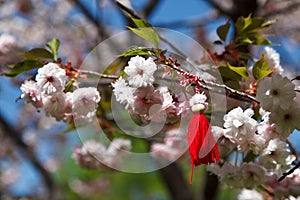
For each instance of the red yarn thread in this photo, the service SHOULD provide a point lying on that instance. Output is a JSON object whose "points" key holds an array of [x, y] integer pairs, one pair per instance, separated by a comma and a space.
{"points": [[202, 145]]}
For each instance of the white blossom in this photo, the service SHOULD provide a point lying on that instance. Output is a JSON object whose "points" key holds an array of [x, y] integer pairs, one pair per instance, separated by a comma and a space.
{"points": [[123, 93], [140, 71], [89, 154], [230, 175], [55, 105], [173, 147], [93, 154], [240, 127], [246, 194], [32, 93], [252, 174], [275, 92], [145, 98], [275, 153], [273, 59], [51, 78], [117, 145], [7, 42], [114, 155], [225, 145], [84, 103], [286, 121]]}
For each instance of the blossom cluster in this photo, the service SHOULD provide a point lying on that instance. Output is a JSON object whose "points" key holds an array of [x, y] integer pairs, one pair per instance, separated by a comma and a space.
{"points": [[261, 152], [138, 94], [47, 92], [95, 155]]}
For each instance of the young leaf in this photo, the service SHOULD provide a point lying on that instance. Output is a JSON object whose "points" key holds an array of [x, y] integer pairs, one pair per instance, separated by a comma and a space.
{"points": [[141, 23], [135, 50], [38, 54], [240, 70], [242, 23], [23, 67], [261, 69], [228, 74], [53, 45], [222, 31], [148, 34]]}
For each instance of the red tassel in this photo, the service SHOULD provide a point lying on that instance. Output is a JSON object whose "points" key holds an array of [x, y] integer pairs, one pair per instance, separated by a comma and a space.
{"points": [[202, 145]]}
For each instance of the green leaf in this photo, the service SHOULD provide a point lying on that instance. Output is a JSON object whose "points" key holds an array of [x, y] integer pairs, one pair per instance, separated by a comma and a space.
{"points": [[149, 34], [53, 45], [259, 39], [233, 84], [38, 54], [240, 70], [261, 69], [135, 50], [258, 23], [222, 31], [242, 23], [141, 23], [228, 74], [23, 67]]}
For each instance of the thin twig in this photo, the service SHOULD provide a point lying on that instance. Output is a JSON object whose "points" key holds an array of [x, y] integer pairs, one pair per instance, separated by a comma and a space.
{"points": [[210, 85], [285, 174], [266, 190], [101, 29], [99, 75], [150, 7]]}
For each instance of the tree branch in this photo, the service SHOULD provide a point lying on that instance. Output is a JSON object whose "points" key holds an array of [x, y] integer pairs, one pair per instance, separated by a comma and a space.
{"points": [[10, 132], [99, 75], [175, 182], [285, 174], [210, 85], [150, 7], [97, 23]]}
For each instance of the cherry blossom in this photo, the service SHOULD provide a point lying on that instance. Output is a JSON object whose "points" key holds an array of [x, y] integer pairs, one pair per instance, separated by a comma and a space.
{"points": [[273, 59], [275, 92], [55, 105], [173, 147], [84, 103], [286, 121], [7, 43], [275, 153], [51, 78], [140, 71], [240, 126], [246, 194], [145, 98], [86, 155], [252, 174], [94, 155], [123, 93], [32, 93]]}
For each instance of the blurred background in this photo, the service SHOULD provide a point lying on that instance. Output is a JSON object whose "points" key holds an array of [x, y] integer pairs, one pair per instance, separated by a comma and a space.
{"points": [[35, 157]]}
